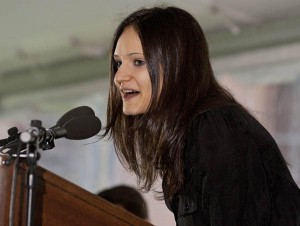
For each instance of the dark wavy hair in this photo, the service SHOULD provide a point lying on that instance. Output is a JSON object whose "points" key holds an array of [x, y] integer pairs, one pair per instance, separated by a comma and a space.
{"points": [[176, 52]]}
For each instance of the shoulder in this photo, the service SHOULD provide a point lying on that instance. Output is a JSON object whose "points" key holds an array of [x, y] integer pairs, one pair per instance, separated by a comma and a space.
{"points": [[224, 132], [230, 123], [218, 131], [227, 117]]}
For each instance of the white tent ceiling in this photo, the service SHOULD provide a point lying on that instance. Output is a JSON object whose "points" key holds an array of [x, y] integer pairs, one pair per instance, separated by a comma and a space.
{"points": [[37, 35]]}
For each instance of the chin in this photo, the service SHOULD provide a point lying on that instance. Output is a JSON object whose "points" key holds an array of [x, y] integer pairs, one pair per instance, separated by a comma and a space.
{"points": [[132, 112], [128, 112]]}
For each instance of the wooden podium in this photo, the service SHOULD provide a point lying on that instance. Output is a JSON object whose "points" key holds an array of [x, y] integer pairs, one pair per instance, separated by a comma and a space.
{"points": [[58, 202]]}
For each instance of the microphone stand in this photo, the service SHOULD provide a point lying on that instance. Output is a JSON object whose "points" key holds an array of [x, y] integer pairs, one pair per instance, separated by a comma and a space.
{"points": [[30, 182], [33, 139], [38, 137], [32, 158]]}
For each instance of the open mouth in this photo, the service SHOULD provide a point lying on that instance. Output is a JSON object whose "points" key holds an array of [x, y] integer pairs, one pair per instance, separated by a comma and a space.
{"points": [[130, 93]]}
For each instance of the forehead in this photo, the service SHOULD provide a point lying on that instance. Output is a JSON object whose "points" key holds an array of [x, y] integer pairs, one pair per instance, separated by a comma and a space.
{"points": [[128, 42]]}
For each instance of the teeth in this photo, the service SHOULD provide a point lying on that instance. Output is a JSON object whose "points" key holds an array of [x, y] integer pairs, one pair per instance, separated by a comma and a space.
{"points": [[130, 91]]}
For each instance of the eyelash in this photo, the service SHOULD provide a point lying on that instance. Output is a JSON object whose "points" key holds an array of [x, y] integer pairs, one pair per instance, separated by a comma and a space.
{"points": [[117, 63], [137, 63]]}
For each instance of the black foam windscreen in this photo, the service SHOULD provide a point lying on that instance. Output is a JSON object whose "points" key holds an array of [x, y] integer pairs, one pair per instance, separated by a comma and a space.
{"points": [[82, 127], [75, 112]]}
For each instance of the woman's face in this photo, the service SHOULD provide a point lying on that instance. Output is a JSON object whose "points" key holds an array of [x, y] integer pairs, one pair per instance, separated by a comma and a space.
{"points": [[132, 77]]}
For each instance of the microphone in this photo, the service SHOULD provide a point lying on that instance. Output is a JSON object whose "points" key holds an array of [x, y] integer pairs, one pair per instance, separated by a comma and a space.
{"points": [[75, 112], [82, 127], [77, 128], [77, 124]]}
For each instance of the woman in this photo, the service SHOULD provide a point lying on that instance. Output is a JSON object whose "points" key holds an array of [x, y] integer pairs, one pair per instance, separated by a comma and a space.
{"points": [[169, 117]]}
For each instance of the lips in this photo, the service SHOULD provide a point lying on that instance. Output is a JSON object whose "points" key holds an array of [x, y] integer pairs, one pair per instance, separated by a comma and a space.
{"points": [[128, 93]]}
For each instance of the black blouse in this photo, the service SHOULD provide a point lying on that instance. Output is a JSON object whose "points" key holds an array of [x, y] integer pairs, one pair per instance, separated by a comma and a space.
{"points": [[235, 175]]}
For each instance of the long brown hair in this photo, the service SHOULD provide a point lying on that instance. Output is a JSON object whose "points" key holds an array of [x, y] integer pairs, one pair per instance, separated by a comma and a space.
{"points": [[176, 52]]}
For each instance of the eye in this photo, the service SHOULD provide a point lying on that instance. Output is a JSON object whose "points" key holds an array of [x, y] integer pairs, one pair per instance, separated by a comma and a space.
{"points": [[139, 62], [117, 63]]}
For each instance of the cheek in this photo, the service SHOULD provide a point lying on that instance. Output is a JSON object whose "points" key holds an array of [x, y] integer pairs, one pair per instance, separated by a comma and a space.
{"points": [[145, 81], [148, 86]]}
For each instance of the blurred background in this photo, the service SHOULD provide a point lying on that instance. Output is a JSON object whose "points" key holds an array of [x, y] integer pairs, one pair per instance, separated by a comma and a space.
{"points": [[54, 57]]}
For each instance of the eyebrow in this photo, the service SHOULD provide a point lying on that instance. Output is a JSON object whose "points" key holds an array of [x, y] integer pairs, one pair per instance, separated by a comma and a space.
{"points": [[129, 54]]}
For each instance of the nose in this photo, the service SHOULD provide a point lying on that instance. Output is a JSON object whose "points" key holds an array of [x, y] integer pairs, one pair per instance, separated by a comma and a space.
{"points": [[122, 75]]}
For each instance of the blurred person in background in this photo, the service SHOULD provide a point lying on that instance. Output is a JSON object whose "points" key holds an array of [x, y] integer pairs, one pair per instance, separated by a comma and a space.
{"points": [[128, 198]]}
